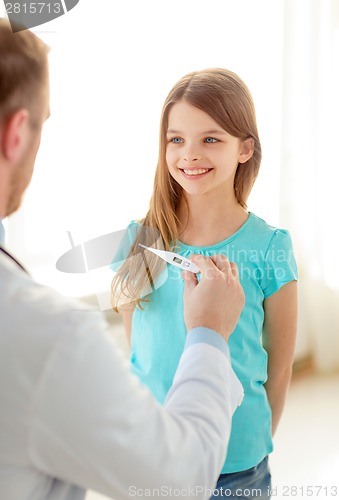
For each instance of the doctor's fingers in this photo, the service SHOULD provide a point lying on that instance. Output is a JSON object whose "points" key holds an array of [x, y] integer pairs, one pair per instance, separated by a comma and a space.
{"points": [[190, 280], [235, 270], [206, 265], [216, 266], [224, 266], [229, 269]]}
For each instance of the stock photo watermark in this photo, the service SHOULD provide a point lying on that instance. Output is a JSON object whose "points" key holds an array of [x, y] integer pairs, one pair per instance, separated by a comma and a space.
{"points": [[262, 267], [23, 15], [288, 491]]}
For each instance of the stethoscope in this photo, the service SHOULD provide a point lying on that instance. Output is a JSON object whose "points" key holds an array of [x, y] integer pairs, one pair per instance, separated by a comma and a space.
{"points": [[13, 259]]}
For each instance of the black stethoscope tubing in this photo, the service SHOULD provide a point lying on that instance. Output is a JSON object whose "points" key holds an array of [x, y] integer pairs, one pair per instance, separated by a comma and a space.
{"points": [[12, 258]]}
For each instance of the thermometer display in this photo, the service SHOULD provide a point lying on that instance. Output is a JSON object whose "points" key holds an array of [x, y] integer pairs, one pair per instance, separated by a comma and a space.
{"points": [[177, 260], [174, 259]]}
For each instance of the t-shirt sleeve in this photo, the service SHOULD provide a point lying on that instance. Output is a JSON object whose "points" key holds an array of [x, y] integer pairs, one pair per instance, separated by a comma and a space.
{"points": [[125, 245], [280, 266]]}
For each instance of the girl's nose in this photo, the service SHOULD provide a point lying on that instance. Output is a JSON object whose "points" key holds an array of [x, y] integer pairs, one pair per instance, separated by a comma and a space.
{"points": [[190, 156]]}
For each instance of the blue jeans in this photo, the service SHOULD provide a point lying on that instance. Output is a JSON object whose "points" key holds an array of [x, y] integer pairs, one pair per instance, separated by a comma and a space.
{"points": [[251, 484]]}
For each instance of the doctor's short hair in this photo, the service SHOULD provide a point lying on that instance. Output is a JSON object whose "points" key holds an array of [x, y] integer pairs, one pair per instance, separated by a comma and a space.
{"points": [[23, 70]]}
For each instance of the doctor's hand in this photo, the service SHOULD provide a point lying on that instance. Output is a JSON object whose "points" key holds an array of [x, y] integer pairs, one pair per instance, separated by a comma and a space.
{"points": [[217, 300]]}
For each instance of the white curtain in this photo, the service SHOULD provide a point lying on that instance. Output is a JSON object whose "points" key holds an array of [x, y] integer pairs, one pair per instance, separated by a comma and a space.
{"points": [[310, 169]]}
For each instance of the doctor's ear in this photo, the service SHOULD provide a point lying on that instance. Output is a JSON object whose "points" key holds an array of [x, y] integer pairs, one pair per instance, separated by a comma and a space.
{"points": [[247, 150], [14, 135]]}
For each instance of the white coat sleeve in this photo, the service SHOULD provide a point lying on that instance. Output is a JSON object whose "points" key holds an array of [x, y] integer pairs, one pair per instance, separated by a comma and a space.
{"points": [[95, 425]]}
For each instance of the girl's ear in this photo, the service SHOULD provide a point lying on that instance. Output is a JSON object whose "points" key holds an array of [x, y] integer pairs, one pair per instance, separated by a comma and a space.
{"points": [[14, 135], [247, 150]]}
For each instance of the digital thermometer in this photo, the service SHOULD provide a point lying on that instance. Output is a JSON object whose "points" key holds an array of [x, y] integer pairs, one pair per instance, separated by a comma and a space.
{"points": [[174, 259]]}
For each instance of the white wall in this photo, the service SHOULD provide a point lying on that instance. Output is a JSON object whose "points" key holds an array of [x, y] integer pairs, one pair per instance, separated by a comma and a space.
{"points": [[112, 65]]}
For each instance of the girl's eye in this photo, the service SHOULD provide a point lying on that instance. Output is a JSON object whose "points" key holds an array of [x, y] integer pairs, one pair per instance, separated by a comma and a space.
{"points": [[176, 140], [211, 140]]}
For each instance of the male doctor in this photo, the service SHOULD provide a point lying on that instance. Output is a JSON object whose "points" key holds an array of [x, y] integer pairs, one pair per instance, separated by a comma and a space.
{"points": [[72, 416]]}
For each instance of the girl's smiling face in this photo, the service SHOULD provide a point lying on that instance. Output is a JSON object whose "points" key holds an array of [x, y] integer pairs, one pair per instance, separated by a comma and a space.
{"points": [[201, 156]]}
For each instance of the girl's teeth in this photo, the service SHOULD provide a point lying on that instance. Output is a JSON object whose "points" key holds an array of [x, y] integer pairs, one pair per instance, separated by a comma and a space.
{"points": [[196, 172]]}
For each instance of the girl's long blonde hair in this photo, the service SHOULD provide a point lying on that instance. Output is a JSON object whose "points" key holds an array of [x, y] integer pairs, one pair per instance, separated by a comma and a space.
{"points": [[225, 98]]}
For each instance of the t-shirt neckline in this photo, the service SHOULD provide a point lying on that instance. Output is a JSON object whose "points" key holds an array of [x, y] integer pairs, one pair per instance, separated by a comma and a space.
{"points": [[184, 246]]}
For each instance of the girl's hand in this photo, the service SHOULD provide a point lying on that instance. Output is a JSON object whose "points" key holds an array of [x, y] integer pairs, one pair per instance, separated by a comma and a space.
{"points": [[218, 299]]}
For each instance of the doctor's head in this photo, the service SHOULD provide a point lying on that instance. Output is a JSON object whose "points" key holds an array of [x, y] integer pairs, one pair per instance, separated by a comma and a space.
{"points": [[24, 107]]}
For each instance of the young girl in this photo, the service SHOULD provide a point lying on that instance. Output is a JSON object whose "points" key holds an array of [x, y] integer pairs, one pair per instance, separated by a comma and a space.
{"points": [[209, 158]]}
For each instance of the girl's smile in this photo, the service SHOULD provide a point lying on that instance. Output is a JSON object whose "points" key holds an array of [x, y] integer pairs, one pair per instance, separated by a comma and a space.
{"points": [[195, 173]]}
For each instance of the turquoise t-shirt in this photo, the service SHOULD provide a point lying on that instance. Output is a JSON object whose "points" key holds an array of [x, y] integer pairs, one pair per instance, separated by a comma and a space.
{"points": [[264, 255]]}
